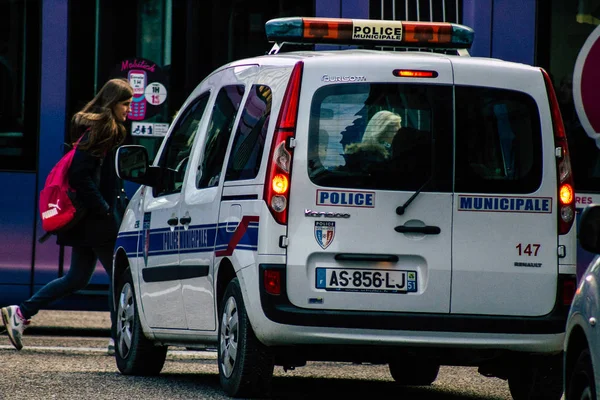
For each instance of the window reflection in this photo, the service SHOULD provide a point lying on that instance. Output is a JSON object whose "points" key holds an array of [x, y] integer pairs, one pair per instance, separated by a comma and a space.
{"points": [[249, 141], [217, 137]]}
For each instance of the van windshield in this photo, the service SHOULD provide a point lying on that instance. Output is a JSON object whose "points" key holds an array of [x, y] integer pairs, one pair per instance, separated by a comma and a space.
{"points": [[381, 136]]}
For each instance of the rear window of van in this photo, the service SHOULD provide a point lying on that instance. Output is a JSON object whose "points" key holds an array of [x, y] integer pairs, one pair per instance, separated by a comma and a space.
{"points": [[381, 136], [400, 137], [498, 141]]}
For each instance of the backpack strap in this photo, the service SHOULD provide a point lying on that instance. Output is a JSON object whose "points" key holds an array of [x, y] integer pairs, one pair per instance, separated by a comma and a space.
{"points": [[80, 137], [77, 142]]}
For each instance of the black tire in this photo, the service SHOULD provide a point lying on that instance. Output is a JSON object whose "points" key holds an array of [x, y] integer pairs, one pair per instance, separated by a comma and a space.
{"points": [[414, 372], [247, 371], [541, 379], [582, 385], [135, 354]]}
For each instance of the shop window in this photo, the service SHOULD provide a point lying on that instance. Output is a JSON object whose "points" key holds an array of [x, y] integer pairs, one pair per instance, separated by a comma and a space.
{"points": [[417, 10], [563, 27], [19, 84]]}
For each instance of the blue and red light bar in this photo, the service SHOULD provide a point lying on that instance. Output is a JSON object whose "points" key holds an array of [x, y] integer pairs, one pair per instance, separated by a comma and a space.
{"points": [[369, 32]]}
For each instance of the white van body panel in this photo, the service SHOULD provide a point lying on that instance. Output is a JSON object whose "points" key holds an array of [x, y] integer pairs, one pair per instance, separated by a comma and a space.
{"points": [[370, 227], [163, 300], [202, 206], [506, 262]]}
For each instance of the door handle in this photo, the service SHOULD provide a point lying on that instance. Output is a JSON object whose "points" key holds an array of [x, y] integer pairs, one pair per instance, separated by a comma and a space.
{"points": [[173, 221], [366, 257], [185, 220], [427, 230]]}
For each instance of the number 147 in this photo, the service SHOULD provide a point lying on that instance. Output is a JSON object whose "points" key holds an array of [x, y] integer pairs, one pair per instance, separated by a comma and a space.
{"points": [[529, 249]]}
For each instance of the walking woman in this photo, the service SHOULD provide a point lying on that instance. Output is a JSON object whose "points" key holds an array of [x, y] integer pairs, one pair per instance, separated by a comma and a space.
{"points": [[99, 191]]}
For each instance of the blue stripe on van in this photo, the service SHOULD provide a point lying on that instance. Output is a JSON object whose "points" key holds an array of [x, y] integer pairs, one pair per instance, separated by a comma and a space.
{"points": [[196, 239]]}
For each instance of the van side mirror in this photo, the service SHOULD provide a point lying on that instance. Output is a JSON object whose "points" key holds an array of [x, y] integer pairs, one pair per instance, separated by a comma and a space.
{"points": [[131, 164], [589, 229]]}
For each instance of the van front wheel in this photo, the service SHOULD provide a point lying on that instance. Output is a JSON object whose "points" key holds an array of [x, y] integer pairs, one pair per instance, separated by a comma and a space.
{"points": [[541, 379], [135, 354], [245, 364]]}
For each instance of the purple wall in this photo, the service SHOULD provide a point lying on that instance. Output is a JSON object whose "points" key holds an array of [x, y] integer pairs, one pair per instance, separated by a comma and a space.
{"points": [[52, 118], [327, 8], [479, 17], [504, 29], [17, 220], [342, 8], [513, 36]]}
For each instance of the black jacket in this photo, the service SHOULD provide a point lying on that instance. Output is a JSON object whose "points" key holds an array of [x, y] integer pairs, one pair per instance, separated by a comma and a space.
{"points": [[100, 193]]}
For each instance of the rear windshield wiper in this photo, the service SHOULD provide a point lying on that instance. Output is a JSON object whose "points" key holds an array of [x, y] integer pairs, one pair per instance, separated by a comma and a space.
{"points": [[400, 210]]}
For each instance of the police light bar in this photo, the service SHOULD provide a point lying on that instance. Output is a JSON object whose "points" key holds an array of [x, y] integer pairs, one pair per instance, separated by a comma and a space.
{"points": [[369, 32]]}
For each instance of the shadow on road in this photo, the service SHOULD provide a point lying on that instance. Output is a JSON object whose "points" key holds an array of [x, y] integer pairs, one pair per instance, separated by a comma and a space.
{"points": [[292, 388]]}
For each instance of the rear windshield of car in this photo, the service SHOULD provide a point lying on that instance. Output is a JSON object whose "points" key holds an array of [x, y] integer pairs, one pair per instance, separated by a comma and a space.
{"points": [[498, 141], [381, 136], [400, 137]]}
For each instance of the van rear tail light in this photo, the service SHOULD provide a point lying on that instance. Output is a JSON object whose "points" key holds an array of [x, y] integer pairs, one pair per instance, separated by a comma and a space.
{"points": [[277, 187], [566, 196], [565, 185], [568, 291], [280, 184], [272, 281]]}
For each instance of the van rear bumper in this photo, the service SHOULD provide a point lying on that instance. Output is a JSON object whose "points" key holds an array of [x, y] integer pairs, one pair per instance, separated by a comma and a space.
{"points": [[278, 308]]}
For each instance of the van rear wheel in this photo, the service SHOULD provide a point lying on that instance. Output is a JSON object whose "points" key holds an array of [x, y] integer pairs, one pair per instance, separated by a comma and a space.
{"points": [[245, 364], [540, 379], [414, 372]]}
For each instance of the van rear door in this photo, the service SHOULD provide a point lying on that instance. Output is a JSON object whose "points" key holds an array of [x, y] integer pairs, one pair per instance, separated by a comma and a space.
{"points": [[505, 259], [368, 142]]}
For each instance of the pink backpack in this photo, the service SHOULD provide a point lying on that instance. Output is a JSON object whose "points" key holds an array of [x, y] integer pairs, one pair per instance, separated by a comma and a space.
{"points": [[56, 206]]}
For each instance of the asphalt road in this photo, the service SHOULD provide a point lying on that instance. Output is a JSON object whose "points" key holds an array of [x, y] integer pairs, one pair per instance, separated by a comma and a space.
{"points": [[78, 367]]}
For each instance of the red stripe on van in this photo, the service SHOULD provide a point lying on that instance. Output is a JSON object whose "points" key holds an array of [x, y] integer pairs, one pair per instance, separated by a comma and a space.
{"points": [[237, 235]]}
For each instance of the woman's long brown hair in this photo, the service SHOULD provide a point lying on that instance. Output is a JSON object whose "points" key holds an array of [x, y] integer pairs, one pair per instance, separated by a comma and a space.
{"points": [[105, 132]]}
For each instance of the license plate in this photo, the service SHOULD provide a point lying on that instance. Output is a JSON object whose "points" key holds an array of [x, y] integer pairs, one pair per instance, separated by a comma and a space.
{"points": [[366, 280]]}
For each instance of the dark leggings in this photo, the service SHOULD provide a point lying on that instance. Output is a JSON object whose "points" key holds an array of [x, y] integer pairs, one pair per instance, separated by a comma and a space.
{"points": [[83, 264]]}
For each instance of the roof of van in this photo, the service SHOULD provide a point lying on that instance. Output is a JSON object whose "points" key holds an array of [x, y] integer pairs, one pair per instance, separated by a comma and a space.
{"points": [[290, 58]]}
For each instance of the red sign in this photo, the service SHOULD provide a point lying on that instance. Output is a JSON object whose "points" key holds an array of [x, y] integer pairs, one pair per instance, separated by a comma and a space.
{"points": [[586, 85], [148, 82]]}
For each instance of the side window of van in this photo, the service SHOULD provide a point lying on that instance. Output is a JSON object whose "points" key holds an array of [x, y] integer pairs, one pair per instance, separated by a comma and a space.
{"points": [[174, 159], [498, 141], [218, 134], [249, 140]]}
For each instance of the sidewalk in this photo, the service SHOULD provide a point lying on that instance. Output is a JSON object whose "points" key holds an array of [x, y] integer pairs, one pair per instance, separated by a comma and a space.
{"points": [[76, 323], [56, 330]]}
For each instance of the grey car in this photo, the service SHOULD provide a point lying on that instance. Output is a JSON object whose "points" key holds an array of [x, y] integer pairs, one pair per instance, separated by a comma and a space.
{"points": [[582, 340]]}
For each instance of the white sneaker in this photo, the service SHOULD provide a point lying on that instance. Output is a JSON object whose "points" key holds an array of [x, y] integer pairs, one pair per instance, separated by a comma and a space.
{"points": [[15, 325]]}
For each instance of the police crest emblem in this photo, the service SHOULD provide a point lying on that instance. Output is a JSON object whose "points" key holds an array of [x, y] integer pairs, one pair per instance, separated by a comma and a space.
{"points": [[324, 233]]}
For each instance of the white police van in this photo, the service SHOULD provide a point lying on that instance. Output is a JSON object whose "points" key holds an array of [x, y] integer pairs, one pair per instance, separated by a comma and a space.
{"points": [[413, 208]]}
